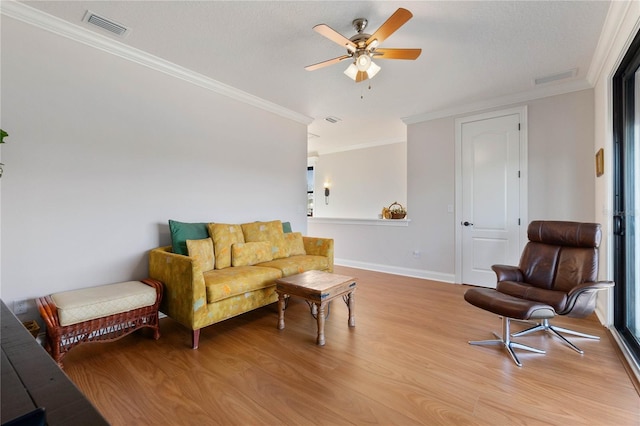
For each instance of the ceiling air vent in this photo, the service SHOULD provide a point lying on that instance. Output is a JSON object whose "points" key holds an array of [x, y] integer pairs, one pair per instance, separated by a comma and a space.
{"points": [[105, 24], [332, 119], [555, 77]]}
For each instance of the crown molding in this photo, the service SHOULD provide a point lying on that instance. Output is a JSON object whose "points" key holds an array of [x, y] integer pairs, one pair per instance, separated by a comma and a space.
{"points": [[515, 98], [37, 18], [615, 15]]}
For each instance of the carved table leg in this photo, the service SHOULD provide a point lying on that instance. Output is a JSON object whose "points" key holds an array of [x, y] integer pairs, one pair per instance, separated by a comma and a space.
{"points": [[352, 307], [281, 308], [321, 317]]}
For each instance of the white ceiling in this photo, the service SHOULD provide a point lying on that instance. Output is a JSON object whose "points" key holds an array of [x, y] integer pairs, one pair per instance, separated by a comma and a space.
{"points": [[472, 52]]}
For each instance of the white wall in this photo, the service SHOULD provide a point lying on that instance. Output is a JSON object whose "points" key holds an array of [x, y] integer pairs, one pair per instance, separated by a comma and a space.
{"points": [[561, 187], [103, 151], [361, 181], [561, 158]]}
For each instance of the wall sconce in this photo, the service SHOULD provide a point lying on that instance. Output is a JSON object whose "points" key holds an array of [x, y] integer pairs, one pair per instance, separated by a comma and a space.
{"points": [[326, 193]]}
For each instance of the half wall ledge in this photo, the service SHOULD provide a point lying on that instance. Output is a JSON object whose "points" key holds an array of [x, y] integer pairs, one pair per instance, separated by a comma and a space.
{"points": [[353, 221]]}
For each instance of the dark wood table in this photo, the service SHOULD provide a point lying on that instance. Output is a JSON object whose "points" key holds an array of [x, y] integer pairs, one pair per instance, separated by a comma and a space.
{"points": [[318, 288], [31, 380]]}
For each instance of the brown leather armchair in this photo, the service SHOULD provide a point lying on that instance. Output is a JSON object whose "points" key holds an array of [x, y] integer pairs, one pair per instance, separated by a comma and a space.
{"points": [[558, 267]]}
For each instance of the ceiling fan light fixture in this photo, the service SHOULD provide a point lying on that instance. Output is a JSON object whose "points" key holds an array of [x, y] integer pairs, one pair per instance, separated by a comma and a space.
{"points": [[363, 62], [373, 69], [351, 72], [362, 47]]}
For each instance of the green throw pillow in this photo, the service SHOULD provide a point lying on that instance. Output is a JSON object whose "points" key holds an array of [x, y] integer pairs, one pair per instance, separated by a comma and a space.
{"points": [[181, 232], [286, 227]]}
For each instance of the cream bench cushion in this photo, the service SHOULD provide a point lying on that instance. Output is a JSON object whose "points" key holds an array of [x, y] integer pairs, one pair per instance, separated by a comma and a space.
{"points": [[95, 302]]}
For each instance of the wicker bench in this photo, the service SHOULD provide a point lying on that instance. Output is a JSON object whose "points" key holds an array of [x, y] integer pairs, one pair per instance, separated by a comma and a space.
{"points": [[99, 314]]}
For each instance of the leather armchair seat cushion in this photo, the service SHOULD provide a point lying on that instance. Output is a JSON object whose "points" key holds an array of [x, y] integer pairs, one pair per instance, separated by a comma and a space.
{"points": [[506, 305], [556, 299]]}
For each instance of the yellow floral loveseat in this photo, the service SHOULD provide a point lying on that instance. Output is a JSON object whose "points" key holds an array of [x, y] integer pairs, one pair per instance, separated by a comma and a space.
{"points": [[215, 271]]}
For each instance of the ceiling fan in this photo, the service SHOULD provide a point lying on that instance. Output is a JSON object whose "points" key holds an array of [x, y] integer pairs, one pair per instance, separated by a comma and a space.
{"points": [[362, 47]]}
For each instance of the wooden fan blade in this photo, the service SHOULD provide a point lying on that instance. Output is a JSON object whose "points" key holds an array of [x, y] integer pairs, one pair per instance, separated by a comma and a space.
{"points": [[335, 36], [395, 21], [361, 76], [397, 53], [326, 63]]}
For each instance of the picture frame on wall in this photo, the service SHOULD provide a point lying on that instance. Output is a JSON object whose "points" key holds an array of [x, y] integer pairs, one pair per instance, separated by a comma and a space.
{"points": [[600, 162]]}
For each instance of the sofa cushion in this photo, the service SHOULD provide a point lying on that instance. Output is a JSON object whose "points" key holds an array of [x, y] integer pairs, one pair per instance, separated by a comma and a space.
{"points": [[267, 231], [239, 304], [96, 302], [224, 235], [247, 254], [297, 264], [223, 283], [202, 252], [294, 243], [181, 232], [286, 227]]}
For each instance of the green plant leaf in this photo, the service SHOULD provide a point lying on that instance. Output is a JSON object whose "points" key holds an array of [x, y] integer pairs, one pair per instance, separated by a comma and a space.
{"points": [[3, 134]]}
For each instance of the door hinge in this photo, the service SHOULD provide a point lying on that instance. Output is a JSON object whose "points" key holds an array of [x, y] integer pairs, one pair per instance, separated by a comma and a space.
{"points": [[518, 221], [518, 126], [518, 173]]}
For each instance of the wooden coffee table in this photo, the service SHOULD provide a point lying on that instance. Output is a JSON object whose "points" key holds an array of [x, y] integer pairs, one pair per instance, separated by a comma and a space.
{"points": [[318, 288]]}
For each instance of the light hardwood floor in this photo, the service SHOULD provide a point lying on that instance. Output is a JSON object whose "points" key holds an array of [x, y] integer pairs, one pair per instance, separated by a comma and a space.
{"points": [[406, 362]]}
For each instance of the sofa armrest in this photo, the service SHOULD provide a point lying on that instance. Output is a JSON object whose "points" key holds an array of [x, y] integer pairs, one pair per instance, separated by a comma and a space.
{"points": [[185, 298], [319, 247], [508, 273]]}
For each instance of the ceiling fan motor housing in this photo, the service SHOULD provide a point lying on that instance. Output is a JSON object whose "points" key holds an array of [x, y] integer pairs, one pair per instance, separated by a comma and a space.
{"points": [[360, 40], [359, 24]]}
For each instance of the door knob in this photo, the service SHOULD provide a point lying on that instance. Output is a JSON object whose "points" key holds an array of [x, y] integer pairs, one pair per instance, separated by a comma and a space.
{"points": [[465, 223]]}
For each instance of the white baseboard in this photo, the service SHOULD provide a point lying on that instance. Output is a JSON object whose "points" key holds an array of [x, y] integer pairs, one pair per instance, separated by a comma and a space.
{"points": [[602, 318], [407, 272]]}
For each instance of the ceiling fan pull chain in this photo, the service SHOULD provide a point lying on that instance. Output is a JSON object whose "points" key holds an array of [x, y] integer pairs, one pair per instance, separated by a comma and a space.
{"points": [[362, 91]]}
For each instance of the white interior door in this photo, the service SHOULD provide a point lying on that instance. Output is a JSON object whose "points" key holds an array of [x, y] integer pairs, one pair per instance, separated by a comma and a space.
{"points": [[489, 204]]}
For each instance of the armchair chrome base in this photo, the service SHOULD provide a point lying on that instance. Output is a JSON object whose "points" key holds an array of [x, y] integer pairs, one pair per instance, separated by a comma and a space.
{"points": [[545, 326], [506, 341]]}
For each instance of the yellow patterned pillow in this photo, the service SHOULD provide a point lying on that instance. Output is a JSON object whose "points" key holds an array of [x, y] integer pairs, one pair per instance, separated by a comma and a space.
{"points": [[295, 243], [267, 231], [247, 254], [224, 236], [202, 252]]}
